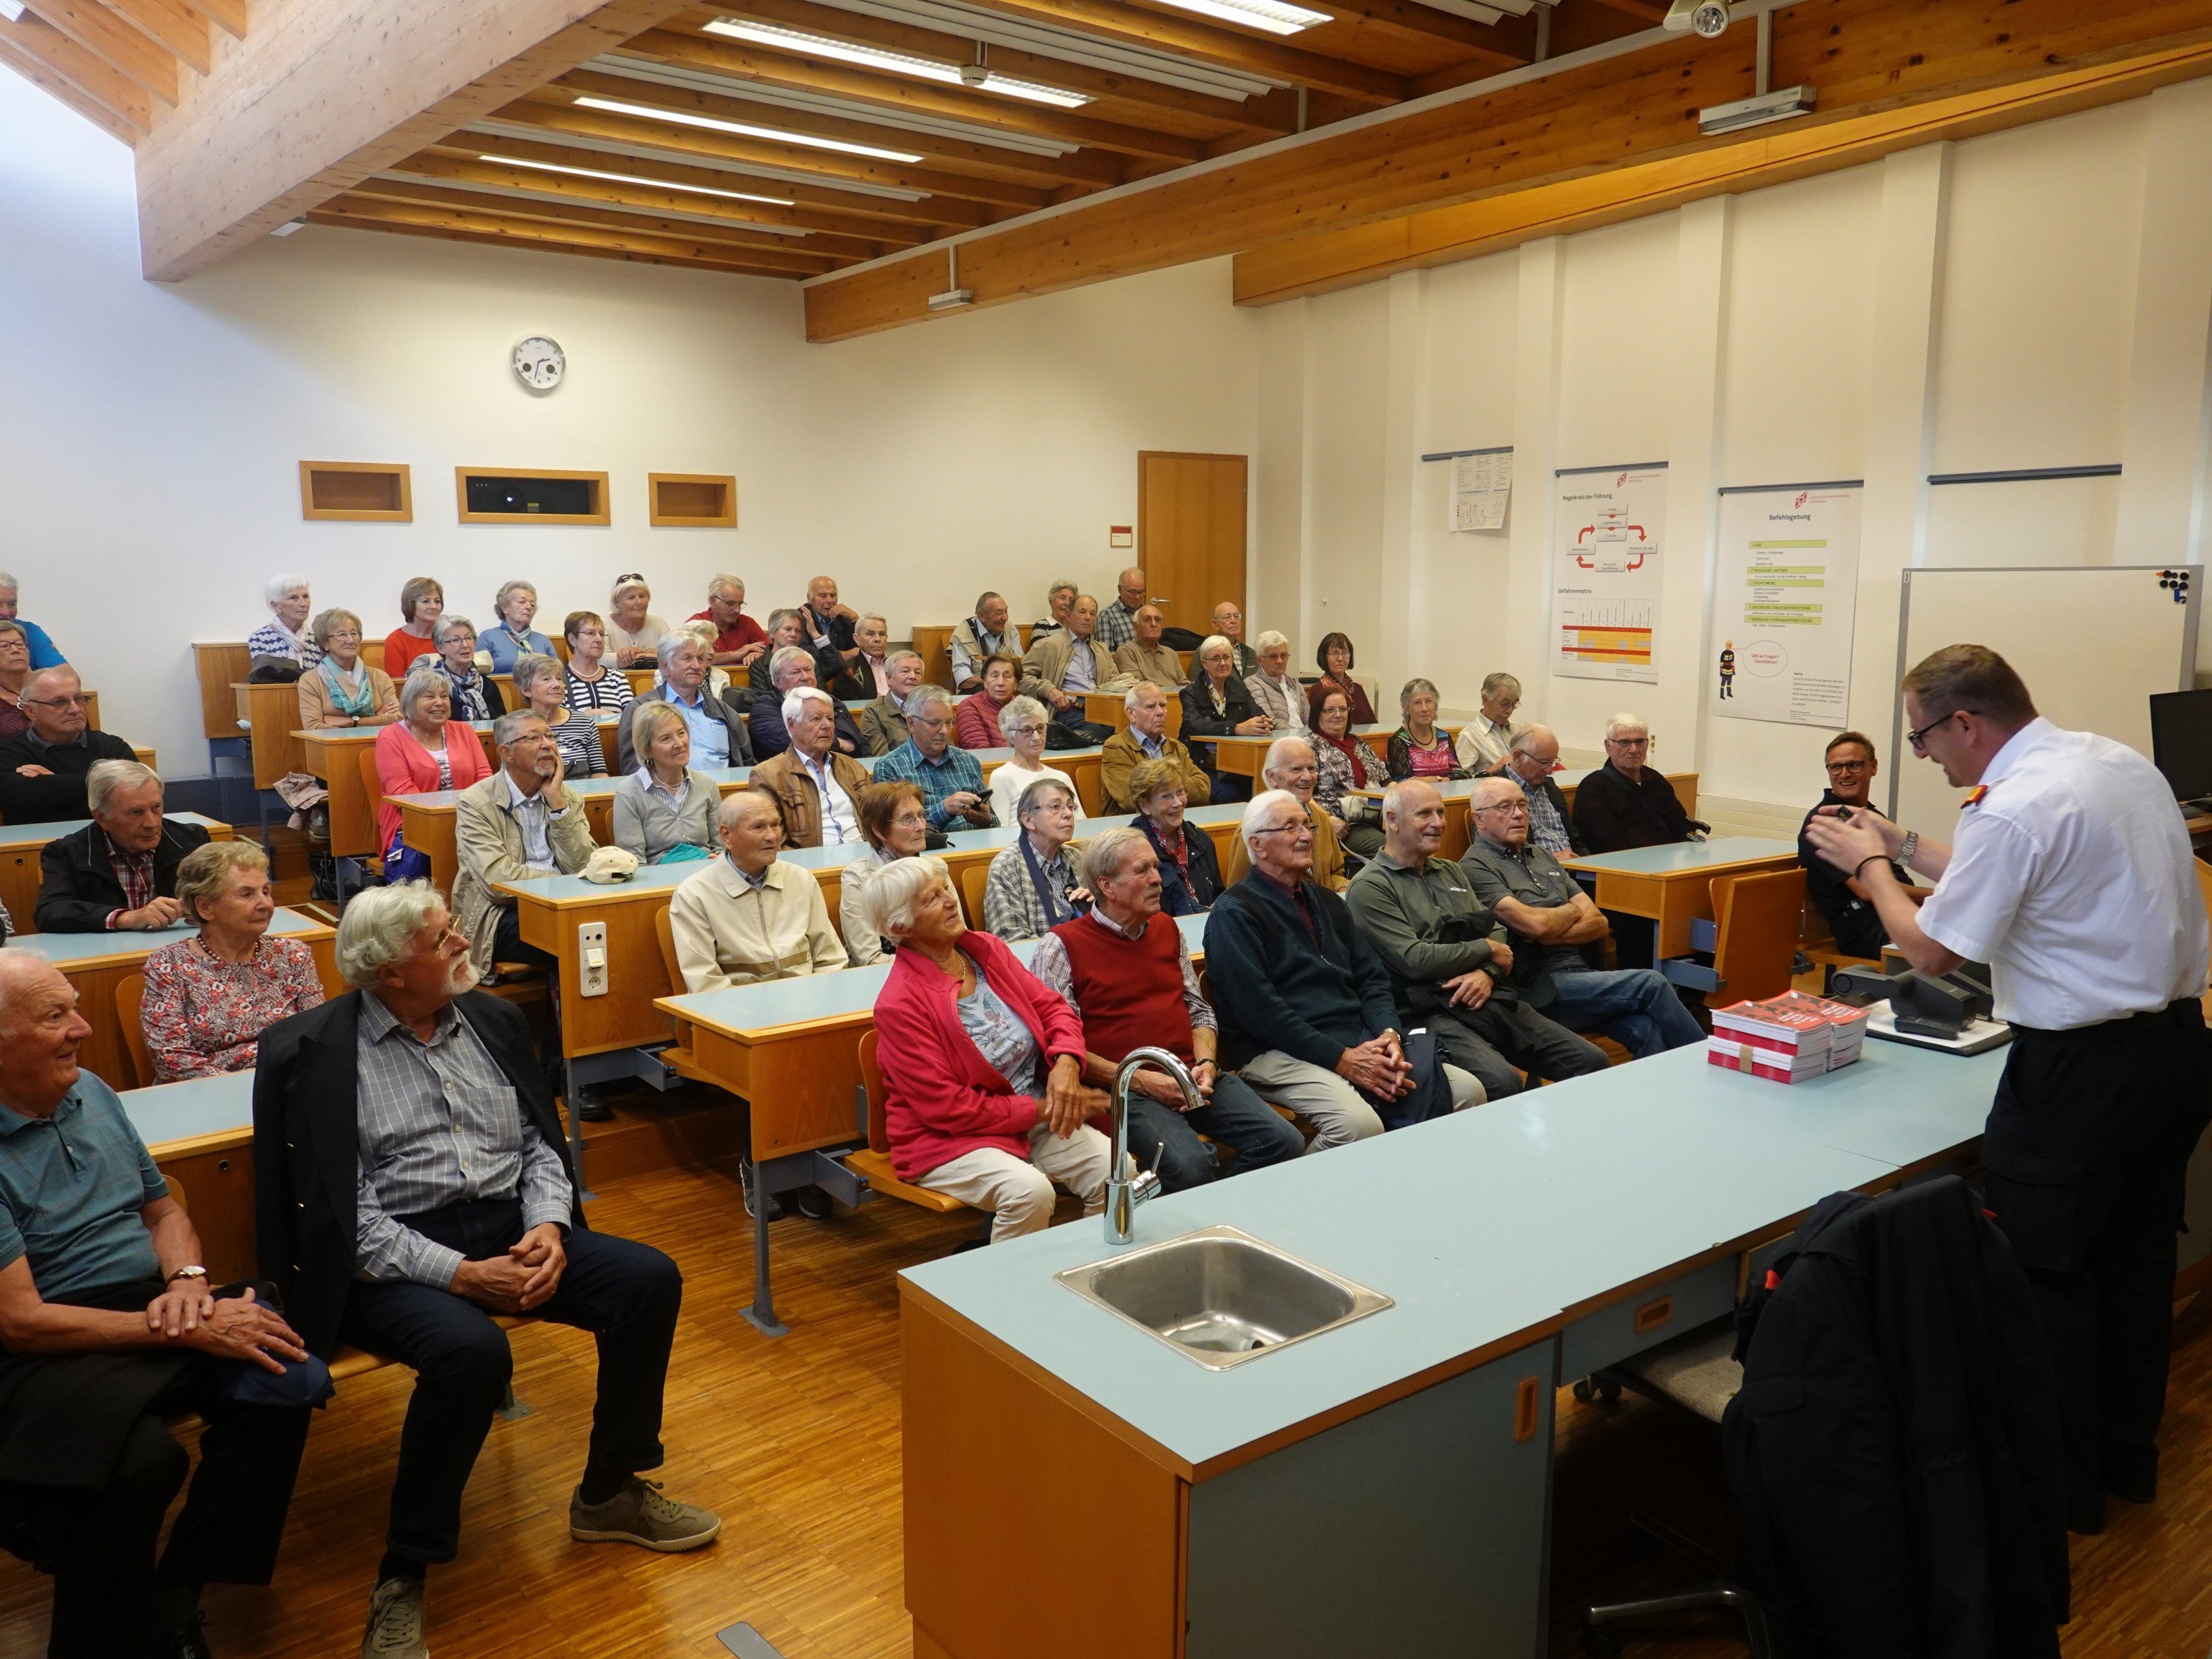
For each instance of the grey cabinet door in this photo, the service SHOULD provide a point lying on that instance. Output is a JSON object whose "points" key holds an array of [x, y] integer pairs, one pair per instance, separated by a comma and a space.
{"points": [[1416, 1531]]}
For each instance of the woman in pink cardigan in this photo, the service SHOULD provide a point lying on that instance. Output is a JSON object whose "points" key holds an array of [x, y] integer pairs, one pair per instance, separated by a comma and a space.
{"points": [[982, 1064], [425, 751]]}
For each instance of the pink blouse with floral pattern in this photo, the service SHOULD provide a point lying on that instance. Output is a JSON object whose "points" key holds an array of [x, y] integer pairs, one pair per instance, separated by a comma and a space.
{"points": [[204, 1016]]}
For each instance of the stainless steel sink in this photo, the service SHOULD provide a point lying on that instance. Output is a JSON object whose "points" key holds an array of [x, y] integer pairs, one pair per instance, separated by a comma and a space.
{"points": [[1221, 1296]]}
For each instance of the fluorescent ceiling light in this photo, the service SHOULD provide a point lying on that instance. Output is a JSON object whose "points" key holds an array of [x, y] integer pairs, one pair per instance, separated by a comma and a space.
{"points": [[879, 58], [633, 178], [615, 106], [12, 11], [1276, 16]]}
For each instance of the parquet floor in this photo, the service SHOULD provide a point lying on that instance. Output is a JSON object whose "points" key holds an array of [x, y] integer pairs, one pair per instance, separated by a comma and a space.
{"points": [[796, 1443]]}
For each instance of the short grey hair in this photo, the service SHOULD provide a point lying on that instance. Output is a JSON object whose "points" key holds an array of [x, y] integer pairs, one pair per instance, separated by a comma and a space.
{"points": [[1489, 790], [424, 678], [1062, 586], [327, 622], [9, 585], [887, 903], [725, 581], [1524, 741], [1206, 645], [508, 727], [796, 699], [784, 657], [1281, 748], [206, 871], [1105, 854], [987, 596], [507, 590], [18, 630], [108, 776], [873, 616], [898, 657], [449, 624], [1613, 726], [672, 642], [281, 584], [1022, 713], [1500, 682], [1034, 792], [1129, 697], [925, 696], [378, 925], [1272, 640], [1416, 687], [532, 666], [1263, 805], [632, 584], [737, 800]]}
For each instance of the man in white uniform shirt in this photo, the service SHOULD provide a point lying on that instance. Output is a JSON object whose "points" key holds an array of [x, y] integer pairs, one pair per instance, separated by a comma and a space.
{"points": [[2073, 879]]}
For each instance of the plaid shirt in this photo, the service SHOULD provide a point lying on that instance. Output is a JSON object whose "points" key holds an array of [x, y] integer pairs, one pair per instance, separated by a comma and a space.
{"points": [[135, 874], [440, 1124], [954, 770], [1544, 827], [1117, 626]]}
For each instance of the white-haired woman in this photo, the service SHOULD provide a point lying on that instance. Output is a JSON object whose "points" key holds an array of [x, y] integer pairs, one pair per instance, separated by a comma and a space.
{"points": [[664, 812], [634, 633], [1059, 599], [342, 690], [284, 634], [539, 687], [1024, 723], [1032, 886], [515, 606], [208, 998], [982, 1063], [1417, 748], [895, 824], [1218, 704], [475, 698], [427, 750]]}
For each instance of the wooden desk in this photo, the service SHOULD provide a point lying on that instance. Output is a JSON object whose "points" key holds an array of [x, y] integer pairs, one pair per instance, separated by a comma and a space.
{"points": [[1244, 756], [1672, 885], [201, 1134], [268, 715], [95, 963], [22, 844], [934, 647], [221, 665]]}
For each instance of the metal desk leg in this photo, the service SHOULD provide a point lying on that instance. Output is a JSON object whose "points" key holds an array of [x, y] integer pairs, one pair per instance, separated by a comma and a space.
{"points": [[784, 1174], [762, 1314], [568, 1088]]}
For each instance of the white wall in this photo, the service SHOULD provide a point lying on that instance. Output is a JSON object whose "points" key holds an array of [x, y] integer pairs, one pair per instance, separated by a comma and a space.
{"points": [[149, 436]]}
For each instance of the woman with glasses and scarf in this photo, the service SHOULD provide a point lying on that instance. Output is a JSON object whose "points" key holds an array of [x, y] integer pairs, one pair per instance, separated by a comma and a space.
{"points": [[1032, 886]]}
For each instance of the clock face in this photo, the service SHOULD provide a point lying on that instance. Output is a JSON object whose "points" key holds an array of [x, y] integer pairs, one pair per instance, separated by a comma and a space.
{"points": [[539, 363]]}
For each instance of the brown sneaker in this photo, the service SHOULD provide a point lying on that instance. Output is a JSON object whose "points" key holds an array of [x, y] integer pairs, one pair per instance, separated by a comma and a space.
{"points": [[639, 1514], [395, 1622]]}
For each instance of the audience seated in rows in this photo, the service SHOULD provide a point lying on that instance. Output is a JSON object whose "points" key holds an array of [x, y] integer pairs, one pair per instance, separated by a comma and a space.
{"points": [[44, 652], [1347, 766], [1334, 659], [738, 640], [745, 915], [518, 822], [982, 710], [815, 786], [1190, 874], [737, 693], [664, 812], [1531, 758], [1484, 740], [1851, 768], [786, 632], [790, 668], [633, 632], [883, 723], [1124, 969], [14, 678], [43, 768], [895, 825], [1275, 690], [988, 632], [428, 750], [1058, 600], [827, 625], [718, 730], [474, 696], [1293, 767], [119, 872], [340, 691], [539, 687], [1031, 887], [514, 608], [1307, 1015], [1229, 623], [1145, 707], [951, 779], [1551, 919], [207, 998], [1450, 959], [1218, 704], [1626, 802], [465, 1206], [109, 1330], [422, 602], [1146, 658], [1060, 666], [1117, 622], [1022, 723], [593, 682], [1417, 748], [867, 676], [982, 1065], [283, 639]]}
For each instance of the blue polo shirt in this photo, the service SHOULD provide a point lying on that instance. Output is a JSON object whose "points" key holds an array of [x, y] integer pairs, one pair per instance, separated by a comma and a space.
{"points": [[43, 652], [71, 1187]]}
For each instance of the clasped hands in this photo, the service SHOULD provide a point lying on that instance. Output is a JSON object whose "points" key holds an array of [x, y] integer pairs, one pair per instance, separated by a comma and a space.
{"points": [[1377, 1066], [521, 1281]]}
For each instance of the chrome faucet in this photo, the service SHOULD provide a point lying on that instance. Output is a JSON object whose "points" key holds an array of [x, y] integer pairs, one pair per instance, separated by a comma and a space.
{"points": [[1127, 1186]]}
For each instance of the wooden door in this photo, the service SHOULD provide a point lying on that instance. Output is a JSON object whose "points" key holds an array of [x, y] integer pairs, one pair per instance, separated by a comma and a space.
{"points": [[1190, 533]]}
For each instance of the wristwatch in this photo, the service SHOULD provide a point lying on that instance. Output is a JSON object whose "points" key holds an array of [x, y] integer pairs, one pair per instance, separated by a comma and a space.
{"points": [[1907, 847], [198, 1274]]}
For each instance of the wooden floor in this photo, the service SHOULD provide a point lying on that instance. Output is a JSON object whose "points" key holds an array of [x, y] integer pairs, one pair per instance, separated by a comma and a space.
{"points": [[796, 1443]]}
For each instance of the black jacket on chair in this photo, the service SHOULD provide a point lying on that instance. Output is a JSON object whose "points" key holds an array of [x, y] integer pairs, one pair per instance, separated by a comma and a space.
{"points": [[1894, 1454], [77, 888], [306, 1146]]}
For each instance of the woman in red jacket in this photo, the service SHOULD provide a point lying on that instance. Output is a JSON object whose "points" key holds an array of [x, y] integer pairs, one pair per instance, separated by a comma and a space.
{"points": [[978, 726], [424, 753], [982, 1064]]}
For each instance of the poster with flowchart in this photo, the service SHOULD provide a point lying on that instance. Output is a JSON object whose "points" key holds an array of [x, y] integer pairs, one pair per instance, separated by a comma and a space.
{"points": [[1605, 572], [1785, 592]]}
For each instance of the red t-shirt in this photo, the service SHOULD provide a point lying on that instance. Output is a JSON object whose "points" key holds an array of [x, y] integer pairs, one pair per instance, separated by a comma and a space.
{"points": [[737, 636]]}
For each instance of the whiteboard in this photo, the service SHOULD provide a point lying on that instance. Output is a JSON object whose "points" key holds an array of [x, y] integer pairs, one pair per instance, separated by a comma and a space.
{"points": [[2093, 643]]}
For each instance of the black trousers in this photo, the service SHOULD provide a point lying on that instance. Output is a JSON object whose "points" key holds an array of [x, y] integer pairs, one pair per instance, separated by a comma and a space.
{"points": [[1495, 1039], [625, 1294], [99, 1544], [2086, 1160]]}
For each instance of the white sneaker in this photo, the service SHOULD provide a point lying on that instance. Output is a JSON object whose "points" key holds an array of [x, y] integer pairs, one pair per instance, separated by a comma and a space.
{"points": [[395, 1622]]}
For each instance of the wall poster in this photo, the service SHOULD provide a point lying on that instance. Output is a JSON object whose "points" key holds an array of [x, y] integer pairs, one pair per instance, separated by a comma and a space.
{"points": [[1785, 589], [1605, 572]]}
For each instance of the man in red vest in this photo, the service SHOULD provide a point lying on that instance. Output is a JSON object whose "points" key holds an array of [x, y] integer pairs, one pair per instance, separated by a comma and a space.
{"points": [[1126, 971]]}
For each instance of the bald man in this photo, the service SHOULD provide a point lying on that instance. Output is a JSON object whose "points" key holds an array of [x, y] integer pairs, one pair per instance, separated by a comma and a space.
{"points": [[1117, 622]]}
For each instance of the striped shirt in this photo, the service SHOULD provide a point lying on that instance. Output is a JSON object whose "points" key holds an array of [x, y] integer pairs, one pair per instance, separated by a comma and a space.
{"points": [[578, 740], [273, 639], [440, 1124], [611, 691]]}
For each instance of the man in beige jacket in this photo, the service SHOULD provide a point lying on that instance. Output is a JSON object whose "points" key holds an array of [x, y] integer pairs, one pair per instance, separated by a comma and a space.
{"points": [[816, 789], [520, 821], [747, 916], [1146, 658]]}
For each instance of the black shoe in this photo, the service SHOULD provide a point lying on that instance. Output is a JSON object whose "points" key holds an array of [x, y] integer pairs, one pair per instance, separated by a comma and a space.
{"points": [[814, 1204], [592, 1110], [187, 1641], [774, 1204]]}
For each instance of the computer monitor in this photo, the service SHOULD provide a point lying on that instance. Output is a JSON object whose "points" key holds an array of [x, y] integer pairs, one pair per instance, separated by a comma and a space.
{"points": [[2181, 741]]}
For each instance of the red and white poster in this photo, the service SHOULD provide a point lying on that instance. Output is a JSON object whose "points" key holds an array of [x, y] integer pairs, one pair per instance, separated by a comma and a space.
{"points": [[1785, 593], [1605, 572]]}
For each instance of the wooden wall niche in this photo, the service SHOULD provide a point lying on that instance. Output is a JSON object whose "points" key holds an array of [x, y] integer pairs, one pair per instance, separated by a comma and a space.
{"points": [[522, 494], [705, 500], [366, 492]]}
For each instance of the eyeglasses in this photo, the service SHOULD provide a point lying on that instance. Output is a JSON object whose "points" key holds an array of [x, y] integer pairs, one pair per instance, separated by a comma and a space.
{"points": [[1851, 766], [1631, 742], [80, 701], [1512, 809], [1281, 830], [1918, 740]]}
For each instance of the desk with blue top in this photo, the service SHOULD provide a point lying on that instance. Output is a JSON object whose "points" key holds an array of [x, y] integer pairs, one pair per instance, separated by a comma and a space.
{"points": [[1672, 885]]}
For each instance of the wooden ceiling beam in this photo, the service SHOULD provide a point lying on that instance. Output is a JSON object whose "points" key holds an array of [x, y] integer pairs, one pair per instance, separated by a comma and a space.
{"points": [[392, 219], [172, 25], [1644, 11], [67, 92], [229, 15], [742, 60], [1509, 44], [54, 57], [1081, 167], [789, 254], [106, 36], [558, 115]]}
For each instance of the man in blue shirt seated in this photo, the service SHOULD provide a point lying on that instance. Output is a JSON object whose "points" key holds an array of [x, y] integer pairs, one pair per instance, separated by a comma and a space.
{"points": [[45, 653], [107, 1326], [718, 730], [951, 779]]}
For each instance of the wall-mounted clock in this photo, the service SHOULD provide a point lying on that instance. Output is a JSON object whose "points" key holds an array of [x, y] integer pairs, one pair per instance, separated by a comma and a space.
{"points": [[539, 363]]}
